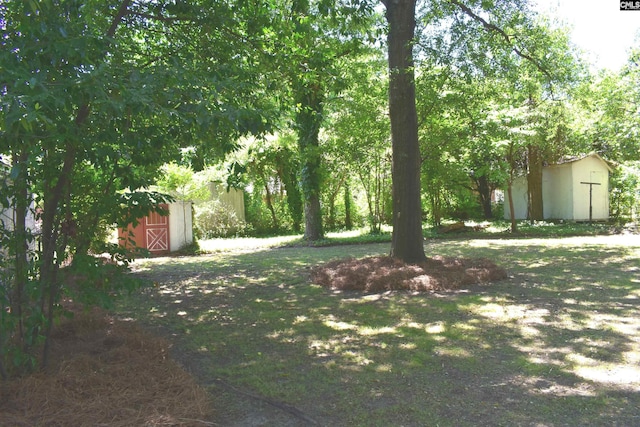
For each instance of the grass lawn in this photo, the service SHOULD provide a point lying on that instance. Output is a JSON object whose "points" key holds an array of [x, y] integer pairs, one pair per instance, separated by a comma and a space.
{"points": [[557, 344]]}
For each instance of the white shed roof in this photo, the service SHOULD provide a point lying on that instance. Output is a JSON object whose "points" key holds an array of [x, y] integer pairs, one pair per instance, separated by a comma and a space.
{"points": [[572, 159]]}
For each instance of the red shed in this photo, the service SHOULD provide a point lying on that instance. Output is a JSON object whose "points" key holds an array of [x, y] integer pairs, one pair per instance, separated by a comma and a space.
{"points": [[161, 234]]}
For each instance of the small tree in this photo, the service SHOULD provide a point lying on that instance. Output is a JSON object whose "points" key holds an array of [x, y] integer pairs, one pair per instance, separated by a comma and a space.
{"points": [[94, 97], [625, 192]]}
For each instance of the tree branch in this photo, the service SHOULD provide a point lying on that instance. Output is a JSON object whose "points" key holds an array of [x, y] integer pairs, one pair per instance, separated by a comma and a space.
{"points": [[160, 18], [122, 11], [508, 38]]}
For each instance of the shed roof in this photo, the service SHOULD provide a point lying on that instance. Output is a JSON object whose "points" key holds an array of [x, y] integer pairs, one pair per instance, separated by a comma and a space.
{"points": [[573, 159]]}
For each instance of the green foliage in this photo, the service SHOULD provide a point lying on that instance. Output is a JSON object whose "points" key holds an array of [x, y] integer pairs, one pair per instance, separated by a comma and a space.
{"points": [[313, 42], [607, 114], [254, 214], [16, 355], [625, 192], [182, 183], [259, 216], [94, 98], [217, 219], [98, 281], [359, 141]]}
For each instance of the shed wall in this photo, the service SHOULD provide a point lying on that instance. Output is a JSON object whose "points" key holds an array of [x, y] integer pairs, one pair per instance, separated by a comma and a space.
{"points": [[234, 198], [180, 225], [520, 199], [557, 192], [590, 169]]}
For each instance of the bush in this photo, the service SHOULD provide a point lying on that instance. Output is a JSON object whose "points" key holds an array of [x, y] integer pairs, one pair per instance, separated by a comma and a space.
{"points": [[625, 192], [217, 219]]}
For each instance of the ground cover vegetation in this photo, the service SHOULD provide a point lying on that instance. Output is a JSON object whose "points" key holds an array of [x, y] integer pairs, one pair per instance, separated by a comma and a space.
{"points": [[555, 343], [266, 344], [291, 101]]}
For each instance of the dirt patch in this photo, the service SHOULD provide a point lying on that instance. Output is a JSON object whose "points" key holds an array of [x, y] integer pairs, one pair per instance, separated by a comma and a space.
{"points": [[105, 372], [383, 273]]}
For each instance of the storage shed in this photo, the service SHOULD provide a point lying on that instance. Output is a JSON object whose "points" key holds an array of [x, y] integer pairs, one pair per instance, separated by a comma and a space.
{"points": [[575, 189], [232, 197], [161, 234]]}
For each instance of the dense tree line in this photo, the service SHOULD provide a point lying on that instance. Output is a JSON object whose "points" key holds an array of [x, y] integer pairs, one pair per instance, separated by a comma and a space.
{"points": [[328, 113]]}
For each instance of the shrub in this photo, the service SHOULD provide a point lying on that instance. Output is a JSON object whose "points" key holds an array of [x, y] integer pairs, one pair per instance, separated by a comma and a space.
{"points": [[217, 219]]}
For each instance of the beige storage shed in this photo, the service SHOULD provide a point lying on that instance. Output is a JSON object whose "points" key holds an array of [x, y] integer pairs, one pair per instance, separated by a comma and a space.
{"points": [[575, 189]]}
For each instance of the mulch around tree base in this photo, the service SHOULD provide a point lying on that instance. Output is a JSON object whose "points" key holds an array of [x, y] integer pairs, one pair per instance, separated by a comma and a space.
{"points": [[383, 273]]}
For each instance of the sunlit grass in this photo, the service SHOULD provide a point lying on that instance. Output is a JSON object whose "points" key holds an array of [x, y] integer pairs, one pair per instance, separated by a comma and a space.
{"points": [[245, 244], [558, 343]]}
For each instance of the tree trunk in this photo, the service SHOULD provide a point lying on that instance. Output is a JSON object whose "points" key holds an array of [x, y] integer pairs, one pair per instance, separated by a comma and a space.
{"points": [[308, 121], [407, 241], [512, 215], [514, 223], [534, 184], [21, 277], [55, 194], [348, 222], [484, 191]]}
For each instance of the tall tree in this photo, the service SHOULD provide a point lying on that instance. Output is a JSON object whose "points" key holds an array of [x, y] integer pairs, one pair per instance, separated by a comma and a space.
{"points": [[324, 33], [506, 25], [94, 96], [407, 240], [608, 111], [304, 49], [359, 135]]}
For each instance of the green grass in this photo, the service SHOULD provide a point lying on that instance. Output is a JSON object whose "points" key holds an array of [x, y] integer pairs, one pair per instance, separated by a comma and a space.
{"points": [[526, 229], [557, 343], [494, 229]]}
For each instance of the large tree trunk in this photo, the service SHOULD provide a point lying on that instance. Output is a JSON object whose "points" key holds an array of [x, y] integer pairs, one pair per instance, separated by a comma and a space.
{"points": [[308, 121], [407, 242], [534, 184]]}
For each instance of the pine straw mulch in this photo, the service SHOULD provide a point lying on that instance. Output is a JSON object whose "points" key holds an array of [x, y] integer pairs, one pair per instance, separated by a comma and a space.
{"points": [[383, 273], [105, 372]]}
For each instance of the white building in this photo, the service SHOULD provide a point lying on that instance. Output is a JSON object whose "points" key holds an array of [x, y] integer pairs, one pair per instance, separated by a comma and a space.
{"points": [[575, 189]]}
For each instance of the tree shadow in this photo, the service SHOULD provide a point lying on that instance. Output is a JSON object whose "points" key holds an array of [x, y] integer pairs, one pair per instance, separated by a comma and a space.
{"points": [[558, 343]]}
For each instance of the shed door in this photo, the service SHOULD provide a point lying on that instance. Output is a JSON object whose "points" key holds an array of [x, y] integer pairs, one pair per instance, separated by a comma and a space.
{"points": [[157, 232], [600, 195]]}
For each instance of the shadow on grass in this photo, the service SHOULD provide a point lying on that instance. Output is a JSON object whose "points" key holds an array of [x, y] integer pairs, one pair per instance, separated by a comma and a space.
{"points": [[556, 344]]}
